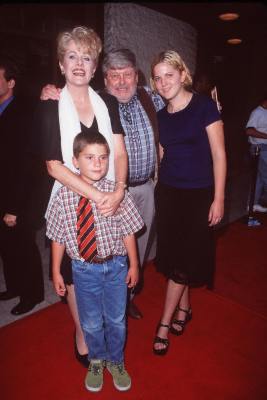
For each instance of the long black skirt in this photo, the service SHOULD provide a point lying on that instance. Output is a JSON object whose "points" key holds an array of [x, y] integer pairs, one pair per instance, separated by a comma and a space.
{"points": [[185, 242]]}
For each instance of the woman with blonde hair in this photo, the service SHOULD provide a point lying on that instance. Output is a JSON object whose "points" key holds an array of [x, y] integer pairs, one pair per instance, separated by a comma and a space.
{"points": [[190, 190], [79, 109]]}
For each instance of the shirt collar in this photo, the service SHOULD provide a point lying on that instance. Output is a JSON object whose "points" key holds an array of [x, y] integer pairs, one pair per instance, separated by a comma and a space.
{"points": [[4, 105], [130, 102]]}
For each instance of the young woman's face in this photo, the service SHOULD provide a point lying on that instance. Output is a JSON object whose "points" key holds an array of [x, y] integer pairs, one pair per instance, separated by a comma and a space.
{"points": [[77, 66], [168, 80]]}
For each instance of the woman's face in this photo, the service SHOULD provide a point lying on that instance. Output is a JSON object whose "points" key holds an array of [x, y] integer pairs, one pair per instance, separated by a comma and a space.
{"points": [[168, 80], [77, 66]]}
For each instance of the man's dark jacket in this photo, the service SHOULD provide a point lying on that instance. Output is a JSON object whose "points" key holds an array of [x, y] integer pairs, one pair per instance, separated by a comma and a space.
{"points": [[21, 174]]}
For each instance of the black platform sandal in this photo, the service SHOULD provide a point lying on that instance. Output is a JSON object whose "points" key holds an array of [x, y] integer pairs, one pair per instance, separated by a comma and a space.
{"points": [[157, 339], [181, 322]]}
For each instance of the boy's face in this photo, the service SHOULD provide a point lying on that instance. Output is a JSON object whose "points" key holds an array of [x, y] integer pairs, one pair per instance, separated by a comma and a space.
{"points": [[92, 162]]}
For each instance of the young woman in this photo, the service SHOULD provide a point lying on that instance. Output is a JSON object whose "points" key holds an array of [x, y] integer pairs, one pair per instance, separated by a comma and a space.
{"points": [[190, 190], [79, 109]]}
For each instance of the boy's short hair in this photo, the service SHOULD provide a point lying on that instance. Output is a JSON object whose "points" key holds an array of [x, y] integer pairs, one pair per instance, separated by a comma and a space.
{"points": [[83, 139]]}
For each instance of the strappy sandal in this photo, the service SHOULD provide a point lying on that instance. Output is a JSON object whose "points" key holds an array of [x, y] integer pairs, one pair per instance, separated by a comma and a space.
{"points": [[157, 339], [181, 322]]}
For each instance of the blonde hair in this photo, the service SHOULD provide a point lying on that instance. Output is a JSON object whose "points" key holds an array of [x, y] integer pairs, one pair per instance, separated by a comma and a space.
{"points": [[83, 37], [172, 58]]}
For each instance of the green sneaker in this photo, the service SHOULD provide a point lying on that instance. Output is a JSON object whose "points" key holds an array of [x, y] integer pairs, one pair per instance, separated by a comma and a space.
{"points": [[121, 378], [94, 377]]}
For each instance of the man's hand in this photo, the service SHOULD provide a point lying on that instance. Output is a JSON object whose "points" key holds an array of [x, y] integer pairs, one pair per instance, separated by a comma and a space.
{"points": [[50, 92], [110, 202], [10, 220]]}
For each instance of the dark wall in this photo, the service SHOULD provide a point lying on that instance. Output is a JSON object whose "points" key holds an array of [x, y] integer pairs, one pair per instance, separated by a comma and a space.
{"points": [[28, 35], [240, 76]]}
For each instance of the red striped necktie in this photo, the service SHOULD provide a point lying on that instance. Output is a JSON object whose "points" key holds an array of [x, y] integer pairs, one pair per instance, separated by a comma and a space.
{"points": [[86, 236]]}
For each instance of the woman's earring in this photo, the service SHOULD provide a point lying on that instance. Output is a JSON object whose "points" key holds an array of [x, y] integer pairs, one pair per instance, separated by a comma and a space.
{"points": [[62, 72]]}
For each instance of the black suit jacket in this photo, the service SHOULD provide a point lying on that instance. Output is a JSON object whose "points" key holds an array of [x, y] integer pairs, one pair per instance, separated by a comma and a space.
{"points": [[20, 172]]}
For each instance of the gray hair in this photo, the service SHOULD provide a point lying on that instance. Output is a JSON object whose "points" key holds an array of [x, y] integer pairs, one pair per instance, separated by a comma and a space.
{"points": [[117, 59]]}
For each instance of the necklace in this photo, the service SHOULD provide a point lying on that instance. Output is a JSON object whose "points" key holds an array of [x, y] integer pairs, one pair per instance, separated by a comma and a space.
{"points": [[173, 110]]}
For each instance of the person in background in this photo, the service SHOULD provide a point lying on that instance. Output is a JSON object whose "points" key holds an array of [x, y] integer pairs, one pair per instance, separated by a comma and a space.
{"points": [[99, 265], [256, 129], [205, 84], [79, 109], [137, 109], [190, 190], [18, 249]]}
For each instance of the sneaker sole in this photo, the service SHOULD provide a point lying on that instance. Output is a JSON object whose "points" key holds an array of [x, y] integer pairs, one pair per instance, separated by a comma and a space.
{"points": [[93, 389], [119, 388]]}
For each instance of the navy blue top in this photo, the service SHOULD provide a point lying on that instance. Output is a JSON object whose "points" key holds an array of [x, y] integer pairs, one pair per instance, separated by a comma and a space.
{"points": [[187, 161]]}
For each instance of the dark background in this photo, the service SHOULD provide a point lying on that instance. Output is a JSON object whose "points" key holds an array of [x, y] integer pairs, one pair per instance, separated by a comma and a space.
{"points": [[28, 34]]}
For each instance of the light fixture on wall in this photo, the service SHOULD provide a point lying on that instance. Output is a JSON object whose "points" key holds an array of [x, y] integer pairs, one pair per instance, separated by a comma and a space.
{"points": [[234, 41], [229, 16]]}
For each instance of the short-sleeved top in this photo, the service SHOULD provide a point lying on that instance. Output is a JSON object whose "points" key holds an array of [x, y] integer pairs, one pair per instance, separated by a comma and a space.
{"points": [[258, 120], [110, 231], [187, 161], [47, 143]]}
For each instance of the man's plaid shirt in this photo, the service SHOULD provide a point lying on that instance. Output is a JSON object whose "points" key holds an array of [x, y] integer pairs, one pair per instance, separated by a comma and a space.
{"points": [[139, 137], [62, 220]]}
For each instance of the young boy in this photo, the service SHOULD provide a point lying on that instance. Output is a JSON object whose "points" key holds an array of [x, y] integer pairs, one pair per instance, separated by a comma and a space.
{"points": [[100, 282]]}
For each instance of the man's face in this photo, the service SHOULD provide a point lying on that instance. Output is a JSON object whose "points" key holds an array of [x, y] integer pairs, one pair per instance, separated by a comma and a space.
{"points": [[6, 87], [122, 83]]}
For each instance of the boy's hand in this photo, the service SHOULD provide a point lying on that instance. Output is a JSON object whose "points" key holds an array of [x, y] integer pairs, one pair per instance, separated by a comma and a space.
{"points": [[50, 92], [132, 276], [59, 285]]}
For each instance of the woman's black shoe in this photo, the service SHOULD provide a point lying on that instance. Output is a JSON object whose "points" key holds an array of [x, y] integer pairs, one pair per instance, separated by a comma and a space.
{"points": [[157, 339], [82, 358], [181, 323]]}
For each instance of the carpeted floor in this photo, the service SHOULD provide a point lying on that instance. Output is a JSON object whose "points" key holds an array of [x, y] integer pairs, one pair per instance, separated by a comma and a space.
{"points": [[221, 356], [241, 264]]}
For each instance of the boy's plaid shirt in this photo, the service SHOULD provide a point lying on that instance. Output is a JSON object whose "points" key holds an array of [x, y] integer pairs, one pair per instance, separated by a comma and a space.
{"points": [[62, 219]]}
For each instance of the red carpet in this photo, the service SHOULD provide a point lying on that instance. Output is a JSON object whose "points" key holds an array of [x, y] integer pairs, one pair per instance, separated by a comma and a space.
{"points": [[241, 270], [221, 356]]}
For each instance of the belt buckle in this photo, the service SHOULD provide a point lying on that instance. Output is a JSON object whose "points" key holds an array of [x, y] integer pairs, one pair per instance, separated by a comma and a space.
{"points": [[98, 260]]}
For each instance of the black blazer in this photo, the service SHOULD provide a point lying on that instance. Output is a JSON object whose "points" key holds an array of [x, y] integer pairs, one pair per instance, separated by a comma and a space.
{"points": [[20, 172]]}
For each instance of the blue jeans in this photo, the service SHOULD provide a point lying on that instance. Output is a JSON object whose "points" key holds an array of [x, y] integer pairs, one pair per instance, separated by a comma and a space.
{"points": [[101, 294], [261, 183]]}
